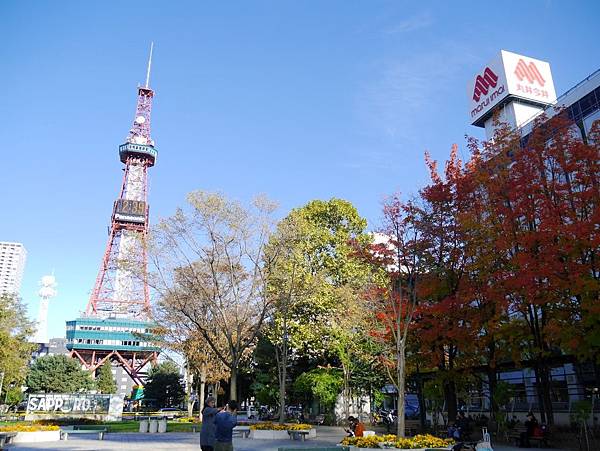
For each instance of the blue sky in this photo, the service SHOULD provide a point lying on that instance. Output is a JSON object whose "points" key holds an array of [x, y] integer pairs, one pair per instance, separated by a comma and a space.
{"points": [[298, 100]]}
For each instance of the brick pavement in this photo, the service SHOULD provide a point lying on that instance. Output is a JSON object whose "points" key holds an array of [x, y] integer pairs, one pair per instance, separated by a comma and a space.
{"points": [[326, 436], [174, 442]]}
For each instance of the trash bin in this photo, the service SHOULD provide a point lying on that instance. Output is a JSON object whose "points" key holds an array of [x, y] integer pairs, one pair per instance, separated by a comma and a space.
{"points": [[162, 425], [153, 429], [144, 426]]}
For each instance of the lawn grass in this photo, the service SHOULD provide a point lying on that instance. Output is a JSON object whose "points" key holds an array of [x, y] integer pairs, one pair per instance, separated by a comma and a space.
{"points": [[134, 426], [124, 426]]}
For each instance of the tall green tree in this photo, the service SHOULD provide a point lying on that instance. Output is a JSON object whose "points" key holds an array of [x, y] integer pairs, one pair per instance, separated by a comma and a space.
{"points": [[105, 380], [58, 374], [322, 384], [15, 351], [165, 385], [313, 282]]}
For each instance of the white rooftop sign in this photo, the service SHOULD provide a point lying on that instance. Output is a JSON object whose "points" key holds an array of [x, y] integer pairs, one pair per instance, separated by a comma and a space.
{"points": [[524, 79]]}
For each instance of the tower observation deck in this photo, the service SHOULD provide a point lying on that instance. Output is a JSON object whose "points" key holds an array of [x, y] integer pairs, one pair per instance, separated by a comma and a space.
{"points": [[117, 325]]}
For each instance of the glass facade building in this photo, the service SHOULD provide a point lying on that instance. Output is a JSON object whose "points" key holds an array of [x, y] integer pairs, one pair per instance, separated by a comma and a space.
{"points": [[110, 334]]}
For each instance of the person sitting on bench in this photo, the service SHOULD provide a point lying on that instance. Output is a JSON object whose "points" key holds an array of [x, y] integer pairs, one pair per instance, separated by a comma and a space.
{"points": [[531, 426], [356, 428]]}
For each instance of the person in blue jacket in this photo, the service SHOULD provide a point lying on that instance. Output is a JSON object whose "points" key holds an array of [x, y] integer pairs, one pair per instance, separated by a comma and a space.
{"points": [[225, 421], [207, 433]]}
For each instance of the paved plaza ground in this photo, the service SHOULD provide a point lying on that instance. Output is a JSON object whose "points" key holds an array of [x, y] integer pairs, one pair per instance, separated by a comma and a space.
{"points": [[186, 441]]}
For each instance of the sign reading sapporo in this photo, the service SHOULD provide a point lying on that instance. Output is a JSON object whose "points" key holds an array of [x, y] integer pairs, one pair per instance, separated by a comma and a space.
{"points": [[68, 403]]}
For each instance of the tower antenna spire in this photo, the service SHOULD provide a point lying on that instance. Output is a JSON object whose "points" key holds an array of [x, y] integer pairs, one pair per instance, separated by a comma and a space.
{"points": [[149, 64]]}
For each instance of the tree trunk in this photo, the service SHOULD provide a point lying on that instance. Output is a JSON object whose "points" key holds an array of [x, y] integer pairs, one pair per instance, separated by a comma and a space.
{"points": [[1, 381], [189, 387], [282, 398], [282, 358], [401, 382], [216, 387], [233, 384], [545, 380], [450, 396], [421, 398], [346, 391], [538, 391], [492, 383], [542, 382], [282, 375], [201, 389]]}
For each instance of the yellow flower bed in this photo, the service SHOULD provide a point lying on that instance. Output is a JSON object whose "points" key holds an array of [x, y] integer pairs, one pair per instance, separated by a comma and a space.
{"points": [[391, 441], [187, 420], [368, 442], [28, 428], [268, 426], [298, 427], [425, 441]]}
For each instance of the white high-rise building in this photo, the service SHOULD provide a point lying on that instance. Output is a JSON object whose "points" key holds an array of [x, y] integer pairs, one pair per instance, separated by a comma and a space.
{"points": [[47, 291], [12, 265]]}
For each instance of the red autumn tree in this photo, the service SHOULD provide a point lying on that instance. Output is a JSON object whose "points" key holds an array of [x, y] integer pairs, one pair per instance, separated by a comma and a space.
{"points": [[392, 298], [539, 201], [445, 327]]}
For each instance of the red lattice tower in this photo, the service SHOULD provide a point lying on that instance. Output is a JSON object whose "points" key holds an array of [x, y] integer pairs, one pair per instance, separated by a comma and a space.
{"points": [[117, 326], [121, 288]]}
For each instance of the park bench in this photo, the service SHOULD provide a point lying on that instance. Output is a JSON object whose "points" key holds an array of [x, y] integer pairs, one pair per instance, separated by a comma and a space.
{"points": [[6, 437], [411, 427], [514, 436], [74, 430], [298, 434], [319, 419], [241, 431]]}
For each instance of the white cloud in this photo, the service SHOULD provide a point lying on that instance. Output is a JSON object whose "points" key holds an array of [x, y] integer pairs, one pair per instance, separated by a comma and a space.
{"points": [[399, 100], [413, 23]]}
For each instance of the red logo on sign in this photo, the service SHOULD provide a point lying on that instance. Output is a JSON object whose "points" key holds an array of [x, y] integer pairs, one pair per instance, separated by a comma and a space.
{"points": [[530, 72], [484, 83]]}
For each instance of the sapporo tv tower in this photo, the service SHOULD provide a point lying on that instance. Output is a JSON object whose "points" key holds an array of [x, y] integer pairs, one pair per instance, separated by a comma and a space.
{"points": [[116, 325]]}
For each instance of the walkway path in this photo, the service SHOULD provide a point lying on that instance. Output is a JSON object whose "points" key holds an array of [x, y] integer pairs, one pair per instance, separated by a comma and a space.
{"points": [[327, 436]]}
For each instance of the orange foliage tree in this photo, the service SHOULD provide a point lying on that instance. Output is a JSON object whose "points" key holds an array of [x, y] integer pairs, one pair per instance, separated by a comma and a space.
{"points": [[392, 298]]}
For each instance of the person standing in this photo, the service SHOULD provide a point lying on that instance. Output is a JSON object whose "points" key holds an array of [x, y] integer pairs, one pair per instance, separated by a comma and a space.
{"points": [[207, 433], [225, 421], [530, 425]]}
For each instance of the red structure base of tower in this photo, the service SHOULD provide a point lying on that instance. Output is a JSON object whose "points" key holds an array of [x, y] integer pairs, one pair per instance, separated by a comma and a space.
{"points": [[132, 362]]}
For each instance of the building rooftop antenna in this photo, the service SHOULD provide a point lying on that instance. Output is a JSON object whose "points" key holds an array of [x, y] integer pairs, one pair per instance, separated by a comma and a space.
{"points": [[149, 64]]}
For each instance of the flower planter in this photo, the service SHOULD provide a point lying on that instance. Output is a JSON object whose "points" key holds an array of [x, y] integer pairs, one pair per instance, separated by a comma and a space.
{"points": [[37, 436], [272, 434], [312, 433], [356, 448], [412, 449], [415, 449], [381, 446], [268, 434]]}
